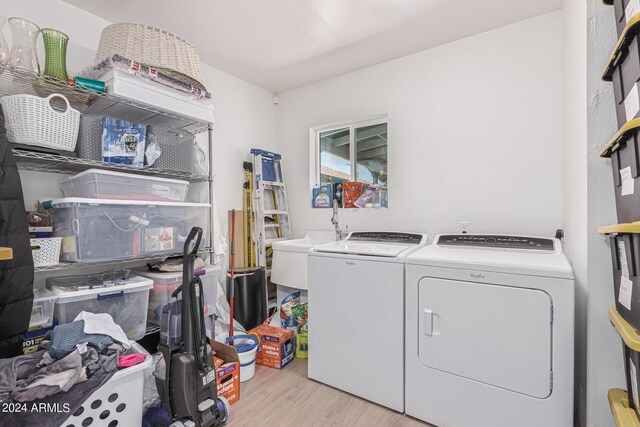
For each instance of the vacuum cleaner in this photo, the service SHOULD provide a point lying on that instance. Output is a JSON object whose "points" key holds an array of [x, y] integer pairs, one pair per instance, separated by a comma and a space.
{"points": [[188, 389]]}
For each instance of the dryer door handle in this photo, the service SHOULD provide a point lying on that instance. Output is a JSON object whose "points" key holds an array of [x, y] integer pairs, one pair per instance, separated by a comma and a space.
{"points": [[428, 322]]}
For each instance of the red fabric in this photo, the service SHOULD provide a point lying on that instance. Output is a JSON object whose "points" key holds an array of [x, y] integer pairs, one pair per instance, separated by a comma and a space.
{"points": [[130, 360]]}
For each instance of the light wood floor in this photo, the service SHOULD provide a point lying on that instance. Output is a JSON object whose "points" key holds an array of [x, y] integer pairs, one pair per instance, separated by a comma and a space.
{"points": [[287, 398]]}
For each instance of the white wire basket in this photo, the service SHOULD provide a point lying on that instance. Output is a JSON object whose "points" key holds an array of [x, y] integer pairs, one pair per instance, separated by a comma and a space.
{"points": [[153, 46], [46, 251], [32, 120]]}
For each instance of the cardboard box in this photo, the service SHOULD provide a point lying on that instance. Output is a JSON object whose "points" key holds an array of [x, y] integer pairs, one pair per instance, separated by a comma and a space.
{"points": [[239, 234], [227, 375], [33, 337], [277, 346]]}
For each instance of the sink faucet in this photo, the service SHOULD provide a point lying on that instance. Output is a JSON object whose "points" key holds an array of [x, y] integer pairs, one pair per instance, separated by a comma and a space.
{"points": [[336, 223]]}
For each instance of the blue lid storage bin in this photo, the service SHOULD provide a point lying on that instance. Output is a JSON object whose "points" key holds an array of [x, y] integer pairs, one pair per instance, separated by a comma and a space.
{"points": [[126, 303]]}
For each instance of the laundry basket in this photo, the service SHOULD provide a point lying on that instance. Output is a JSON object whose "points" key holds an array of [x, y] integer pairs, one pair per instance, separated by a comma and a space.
{"points": [[46, 251], [118, 402], [31, 120]]}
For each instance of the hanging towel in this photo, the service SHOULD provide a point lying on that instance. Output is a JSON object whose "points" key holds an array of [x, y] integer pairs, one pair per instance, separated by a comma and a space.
{"points": [[102, 323]]}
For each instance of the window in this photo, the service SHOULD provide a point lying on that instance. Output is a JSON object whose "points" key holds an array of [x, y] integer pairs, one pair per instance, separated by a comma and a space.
{"points": [[352, 151]]}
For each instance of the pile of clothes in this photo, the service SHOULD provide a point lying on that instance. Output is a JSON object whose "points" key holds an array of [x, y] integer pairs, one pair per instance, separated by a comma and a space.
{"points": [[75, 359]]}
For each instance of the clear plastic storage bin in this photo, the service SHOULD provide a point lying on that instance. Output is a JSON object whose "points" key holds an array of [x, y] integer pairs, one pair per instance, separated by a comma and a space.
{"points": [[126, 303], [96, 229], [165, 283], [102, 184], [42, 311]]}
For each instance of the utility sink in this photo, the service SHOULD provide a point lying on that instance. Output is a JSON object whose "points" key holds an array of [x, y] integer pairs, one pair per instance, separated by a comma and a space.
{"points": [[289, 267]]}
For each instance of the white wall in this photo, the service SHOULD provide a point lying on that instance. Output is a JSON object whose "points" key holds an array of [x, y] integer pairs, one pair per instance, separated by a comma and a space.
{"points": [[604, 355], [475, 134], [245, 116], [574, 168]]}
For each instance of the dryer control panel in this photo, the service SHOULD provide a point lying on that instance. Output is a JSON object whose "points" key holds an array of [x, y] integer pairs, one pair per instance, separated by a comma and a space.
{"points": [[497, 241]]}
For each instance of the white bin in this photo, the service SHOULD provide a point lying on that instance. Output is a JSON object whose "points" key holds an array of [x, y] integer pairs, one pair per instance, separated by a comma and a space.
{"points": [[98, 230], [126, 303], [165, 283], [103, 184], [119, 401], [42, 310], [45, 251]]}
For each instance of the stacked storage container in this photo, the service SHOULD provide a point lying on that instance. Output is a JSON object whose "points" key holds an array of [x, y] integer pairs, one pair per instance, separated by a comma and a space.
{"points": [[126, 303], [108, 216], [623, 70], [111, 215]]}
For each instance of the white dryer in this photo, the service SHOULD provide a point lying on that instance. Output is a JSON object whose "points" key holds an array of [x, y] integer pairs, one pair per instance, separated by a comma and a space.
{"points": [[490, 332], [356, 307]]}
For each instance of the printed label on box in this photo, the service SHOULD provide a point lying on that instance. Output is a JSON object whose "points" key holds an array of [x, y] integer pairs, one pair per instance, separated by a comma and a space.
{"points": [[159, 239], [624, 296], [622, 255], [634, 383], [162, 191], [69, 245], [228, 381], [632, 8], [632, 103], [627, 181]]}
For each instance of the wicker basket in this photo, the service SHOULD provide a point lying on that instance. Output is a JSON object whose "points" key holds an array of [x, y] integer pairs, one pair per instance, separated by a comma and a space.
{"points": [[31, 120], [46, 251], [153, 46]]}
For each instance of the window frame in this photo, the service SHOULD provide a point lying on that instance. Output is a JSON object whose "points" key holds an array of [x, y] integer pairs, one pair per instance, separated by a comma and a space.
{"points": [[352, 125]]}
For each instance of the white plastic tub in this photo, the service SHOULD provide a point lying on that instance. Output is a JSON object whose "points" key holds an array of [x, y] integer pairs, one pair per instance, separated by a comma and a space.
{"points": [[123, 84], [42, 311], [165, 283], [126, 303], [97, 230], [103, 184], [119, 401], [247, 347]]}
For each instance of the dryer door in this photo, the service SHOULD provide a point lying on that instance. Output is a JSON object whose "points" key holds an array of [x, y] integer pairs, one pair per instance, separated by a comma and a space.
{"points": [[497, 335]]}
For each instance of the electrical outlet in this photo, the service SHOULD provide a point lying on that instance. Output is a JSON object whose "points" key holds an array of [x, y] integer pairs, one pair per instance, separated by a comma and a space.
{"points": [[465, 227]]}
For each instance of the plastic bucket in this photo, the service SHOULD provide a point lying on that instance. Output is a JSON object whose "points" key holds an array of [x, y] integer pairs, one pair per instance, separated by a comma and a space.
{"points": [[247, 346]]}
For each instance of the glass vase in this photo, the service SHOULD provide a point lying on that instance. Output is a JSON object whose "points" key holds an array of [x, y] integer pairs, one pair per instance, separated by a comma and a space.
{"points": [[4, 48], [23, 51], [55, 53]]}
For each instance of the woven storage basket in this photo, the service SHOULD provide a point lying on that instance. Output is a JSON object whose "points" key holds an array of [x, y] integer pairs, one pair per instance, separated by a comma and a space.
{"points": [[180, 151], [153, 46], [46, 251], [90, 137], [31, 120]]}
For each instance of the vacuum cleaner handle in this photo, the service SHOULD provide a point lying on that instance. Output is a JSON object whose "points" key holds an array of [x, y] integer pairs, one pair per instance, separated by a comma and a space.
{"points": [[192, 244]]}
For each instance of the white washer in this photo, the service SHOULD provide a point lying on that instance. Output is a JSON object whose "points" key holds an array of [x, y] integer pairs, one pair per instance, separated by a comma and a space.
{"points": [[356, 303], [489, 332]]}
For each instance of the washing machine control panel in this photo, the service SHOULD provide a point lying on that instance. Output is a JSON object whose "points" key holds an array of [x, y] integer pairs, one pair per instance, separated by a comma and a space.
{"points": [[386, 237], [486, 241]]}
